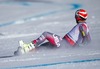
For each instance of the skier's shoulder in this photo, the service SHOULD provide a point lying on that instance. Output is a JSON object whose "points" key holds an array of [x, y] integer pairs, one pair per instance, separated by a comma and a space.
{"points": [[83, 25]]}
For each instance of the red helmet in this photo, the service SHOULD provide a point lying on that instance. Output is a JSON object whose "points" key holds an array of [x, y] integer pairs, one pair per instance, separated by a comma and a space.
{"points": [[81, 14]]}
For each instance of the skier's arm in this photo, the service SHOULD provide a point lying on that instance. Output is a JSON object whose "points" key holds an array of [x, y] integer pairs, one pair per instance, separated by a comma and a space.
{"points": [[85, 35], [82, 31]]}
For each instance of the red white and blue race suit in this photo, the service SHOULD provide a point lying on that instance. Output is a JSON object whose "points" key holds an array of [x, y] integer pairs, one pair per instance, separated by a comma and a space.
{"points": [[78, 35]]}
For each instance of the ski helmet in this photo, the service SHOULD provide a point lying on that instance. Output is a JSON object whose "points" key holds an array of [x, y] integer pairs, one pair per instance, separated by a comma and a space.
{"points": [[81, 14]]}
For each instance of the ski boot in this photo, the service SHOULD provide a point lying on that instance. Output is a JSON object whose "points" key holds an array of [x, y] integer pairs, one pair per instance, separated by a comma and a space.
{"points": [[24, 48]]}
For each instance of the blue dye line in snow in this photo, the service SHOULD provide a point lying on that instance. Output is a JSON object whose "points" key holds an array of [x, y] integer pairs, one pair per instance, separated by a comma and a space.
{"points": [[52, 64], [74, 6]]}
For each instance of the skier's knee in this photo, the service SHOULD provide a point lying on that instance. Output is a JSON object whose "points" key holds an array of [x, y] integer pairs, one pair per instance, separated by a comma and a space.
{"points": [[45, 33]]}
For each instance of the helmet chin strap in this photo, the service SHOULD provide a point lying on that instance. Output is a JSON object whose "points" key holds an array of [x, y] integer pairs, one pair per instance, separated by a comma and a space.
{"points": [[80, 21]]}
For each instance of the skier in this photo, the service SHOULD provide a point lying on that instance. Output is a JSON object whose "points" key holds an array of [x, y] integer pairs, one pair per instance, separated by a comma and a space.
{"points": [[78, 35]]}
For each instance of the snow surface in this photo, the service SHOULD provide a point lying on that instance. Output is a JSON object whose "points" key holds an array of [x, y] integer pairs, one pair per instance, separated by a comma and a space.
{"points": [[27, 19]]}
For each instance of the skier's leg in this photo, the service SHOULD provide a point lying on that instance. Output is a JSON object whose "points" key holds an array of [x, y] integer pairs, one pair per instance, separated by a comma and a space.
{"points": [[52, 38]]}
